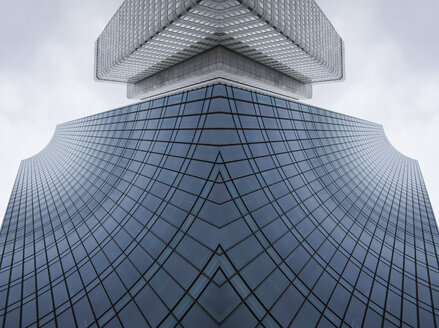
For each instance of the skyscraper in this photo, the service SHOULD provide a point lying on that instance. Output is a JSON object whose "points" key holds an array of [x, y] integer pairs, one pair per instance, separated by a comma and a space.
{"points": [[218, 203], [273, 46]]}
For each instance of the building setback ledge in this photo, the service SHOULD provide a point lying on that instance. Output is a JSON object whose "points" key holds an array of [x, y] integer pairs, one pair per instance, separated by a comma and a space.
{"points": [[215, 65]]}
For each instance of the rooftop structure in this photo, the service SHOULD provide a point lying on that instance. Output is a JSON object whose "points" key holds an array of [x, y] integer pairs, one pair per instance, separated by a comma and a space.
{"points": [[149, 43]]}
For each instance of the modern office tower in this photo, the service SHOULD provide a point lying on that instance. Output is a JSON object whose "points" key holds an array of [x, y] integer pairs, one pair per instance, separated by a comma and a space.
{"points": [[281, 46], [218, 203], [219, 207]]}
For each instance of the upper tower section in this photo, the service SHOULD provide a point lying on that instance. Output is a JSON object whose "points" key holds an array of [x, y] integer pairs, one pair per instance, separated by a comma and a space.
{"points": [[278, 46]]}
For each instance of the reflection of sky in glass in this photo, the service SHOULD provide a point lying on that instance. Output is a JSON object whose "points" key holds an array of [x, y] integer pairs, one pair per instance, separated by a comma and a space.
{"points": [[270, 216], [392, 75]]}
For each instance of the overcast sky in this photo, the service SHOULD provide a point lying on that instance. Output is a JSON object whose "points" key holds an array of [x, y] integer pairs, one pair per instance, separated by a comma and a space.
{"points": [[46, 74]]}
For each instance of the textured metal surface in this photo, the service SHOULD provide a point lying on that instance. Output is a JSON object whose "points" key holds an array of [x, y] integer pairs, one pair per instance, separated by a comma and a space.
{"points": [[147, 36], [216, 64]]}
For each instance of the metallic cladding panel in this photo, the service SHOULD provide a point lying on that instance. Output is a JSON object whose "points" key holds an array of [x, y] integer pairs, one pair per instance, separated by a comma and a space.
{"points": [[293, 37], [214, 64]]}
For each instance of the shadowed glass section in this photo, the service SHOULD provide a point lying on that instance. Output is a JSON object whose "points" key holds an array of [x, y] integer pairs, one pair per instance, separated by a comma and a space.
{"points": [[219, 207]]}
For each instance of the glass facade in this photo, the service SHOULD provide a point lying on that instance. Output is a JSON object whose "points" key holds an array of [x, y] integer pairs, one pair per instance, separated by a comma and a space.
{"points": [[219, 207]]}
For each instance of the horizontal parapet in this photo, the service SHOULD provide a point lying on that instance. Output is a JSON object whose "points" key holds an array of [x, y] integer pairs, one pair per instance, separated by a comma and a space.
{"points": [[148, 36], [216, 65]]}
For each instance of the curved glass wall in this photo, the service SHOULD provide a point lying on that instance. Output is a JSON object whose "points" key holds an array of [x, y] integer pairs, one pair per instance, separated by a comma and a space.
{"points": [[219, 207]]}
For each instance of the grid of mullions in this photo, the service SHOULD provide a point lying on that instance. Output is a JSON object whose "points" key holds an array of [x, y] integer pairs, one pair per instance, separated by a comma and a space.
{"points": [[287, 214], [145, 37]]}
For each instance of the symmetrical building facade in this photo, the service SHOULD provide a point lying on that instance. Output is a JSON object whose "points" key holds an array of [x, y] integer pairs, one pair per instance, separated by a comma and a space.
{"points": [[218, 206], [280, 46]]}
